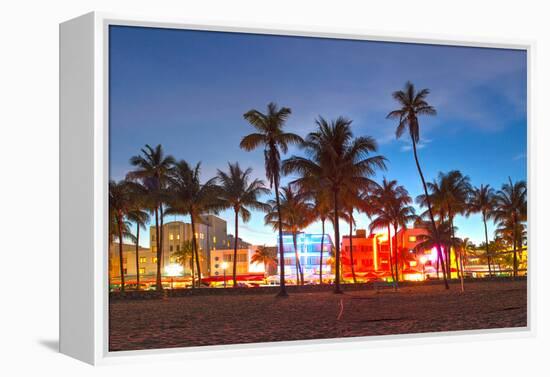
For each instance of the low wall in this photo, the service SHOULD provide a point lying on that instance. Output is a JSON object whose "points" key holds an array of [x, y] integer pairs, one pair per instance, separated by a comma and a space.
{"points": [[148, 295]]}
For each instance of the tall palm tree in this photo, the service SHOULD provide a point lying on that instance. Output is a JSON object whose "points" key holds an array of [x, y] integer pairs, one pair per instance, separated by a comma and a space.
{"points": [[141, 218], [152, 167], [120, 201], [339, 160], [237, 192], [188, 196], [270, 135], [411, 105], [266, 256], [482, 201], [511, 210], [296, 214]]}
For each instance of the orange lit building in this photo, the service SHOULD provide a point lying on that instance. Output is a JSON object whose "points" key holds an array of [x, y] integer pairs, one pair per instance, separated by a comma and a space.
{"points": [[371, 256]]}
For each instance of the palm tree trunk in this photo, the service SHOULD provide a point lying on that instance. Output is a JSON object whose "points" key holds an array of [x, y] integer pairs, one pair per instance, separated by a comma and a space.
{"points": [[396, 255], [137, 257], [390, 251], [120, 254], [514, 245], [436, 233], [157, 231], [300, 277], [487, 244], [161, 259], [351, 248], [196, 251], [235, 248], [321, 255], [459, 271], [282, 285], [437, 267], [337, 289]]}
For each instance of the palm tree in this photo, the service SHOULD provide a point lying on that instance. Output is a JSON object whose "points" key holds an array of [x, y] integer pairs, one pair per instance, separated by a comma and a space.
{"points": [[442, 235], [269, 134], [412, 104], [482, 200], [450, 193], [296, 214], [236, 192], [139, 216], [390, 207], [339, 160], [321, 209], [511, 210], [466, 247], [184, 255], [265, 255], [152, 168], [352, 199], [120, 200], [188, 196]]}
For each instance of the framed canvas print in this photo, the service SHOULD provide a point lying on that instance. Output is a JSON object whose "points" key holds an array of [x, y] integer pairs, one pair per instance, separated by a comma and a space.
{"points": [[224, 187]]}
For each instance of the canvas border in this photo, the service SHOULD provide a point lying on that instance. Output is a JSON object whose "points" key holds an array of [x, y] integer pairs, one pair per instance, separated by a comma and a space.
{"points": [[102, 355]]}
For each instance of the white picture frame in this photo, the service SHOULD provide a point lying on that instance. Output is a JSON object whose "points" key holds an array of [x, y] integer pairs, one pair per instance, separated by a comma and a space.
{"points": [[84, 181]]}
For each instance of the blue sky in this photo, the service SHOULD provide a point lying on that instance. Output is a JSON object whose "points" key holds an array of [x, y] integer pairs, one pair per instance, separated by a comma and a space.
{"points": [[187, 90]]}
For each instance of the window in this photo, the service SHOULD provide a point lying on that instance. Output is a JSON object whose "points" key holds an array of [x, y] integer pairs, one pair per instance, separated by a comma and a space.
{"points": [[153, 238], [214, 239], [142, 259], [171, 237], [412, 238], [177, 247], [125, 271], [142, 270], [177, 236], [227, 257], [202, 236], [172, 259], [154, 259], [124, 260], [241, 258]]}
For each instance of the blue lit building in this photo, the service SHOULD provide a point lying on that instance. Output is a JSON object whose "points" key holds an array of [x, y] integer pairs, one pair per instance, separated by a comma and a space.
{"points": [[309, 254]]}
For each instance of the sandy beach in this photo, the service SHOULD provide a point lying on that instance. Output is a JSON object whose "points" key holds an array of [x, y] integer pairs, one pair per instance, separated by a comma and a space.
{"points": [[214, 320]]}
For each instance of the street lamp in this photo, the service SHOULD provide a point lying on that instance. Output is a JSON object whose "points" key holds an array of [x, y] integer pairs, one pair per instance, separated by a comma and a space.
{"points": [[423, 260], [224, 268]]}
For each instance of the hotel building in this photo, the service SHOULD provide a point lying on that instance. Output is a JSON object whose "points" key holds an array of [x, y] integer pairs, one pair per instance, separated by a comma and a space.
{"points": [[211, 234], [147, 264], [371, 255], [221, 265], [309, 254]]}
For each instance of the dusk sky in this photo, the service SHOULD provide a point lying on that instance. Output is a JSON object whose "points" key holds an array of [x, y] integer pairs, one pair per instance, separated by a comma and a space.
{"points": [[188, 90]]}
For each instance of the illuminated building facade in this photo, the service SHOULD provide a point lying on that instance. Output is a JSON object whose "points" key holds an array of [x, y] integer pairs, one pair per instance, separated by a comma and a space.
{"points": [[147, 263], [371, 255], [309, 254], [221, 260], [211, 234]]}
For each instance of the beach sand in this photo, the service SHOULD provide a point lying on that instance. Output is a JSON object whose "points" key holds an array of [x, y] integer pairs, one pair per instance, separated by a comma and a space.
{"points": [[215, 320]]}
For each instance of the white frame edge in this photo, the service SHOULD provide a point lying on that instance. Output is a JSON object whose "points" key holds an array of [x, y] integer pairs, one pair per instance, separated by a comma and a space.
{"points": [[84, 317]]}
